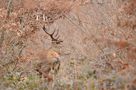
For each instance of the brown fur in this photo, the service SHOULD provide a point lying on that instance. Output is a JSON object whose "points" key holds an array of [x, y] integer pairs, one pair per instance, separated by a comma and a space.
{"points": [[48, 61]]}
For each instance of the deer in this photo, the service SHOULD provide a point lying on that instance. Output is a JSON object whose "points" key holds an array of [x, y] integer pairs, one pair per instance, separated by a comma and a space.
{"points": [[49, 63], [49, 59], [53, 35]]}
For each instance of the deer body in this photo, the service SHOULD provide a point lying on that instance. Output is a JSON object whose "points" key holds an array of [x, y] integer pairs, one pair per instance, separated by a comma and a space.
{"points": [[49, 61]]}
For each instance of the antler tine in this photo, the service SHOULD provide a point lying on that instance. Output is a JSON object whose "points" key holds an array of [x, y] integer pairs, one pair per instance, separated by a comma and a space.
{"points": [[45, 30], [57, 32], [53, 35], [53, 38], [57, 37]]}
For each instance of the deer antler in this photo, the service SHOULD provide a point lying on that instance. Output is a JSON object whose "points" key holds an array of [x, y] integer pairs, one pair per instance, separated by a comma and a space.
{"points": [[56, 40]]}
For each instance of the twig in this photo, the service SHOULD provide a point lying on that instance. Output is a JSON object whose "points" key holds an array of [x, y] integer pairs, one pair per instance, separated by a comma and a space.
{"points": [[83, 30], [9, 7]]}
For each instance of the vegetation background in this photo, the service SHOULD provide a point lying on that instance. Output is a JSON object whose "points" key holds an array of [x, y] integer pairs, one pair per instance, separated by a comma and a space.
{"points": [[98, 51]]}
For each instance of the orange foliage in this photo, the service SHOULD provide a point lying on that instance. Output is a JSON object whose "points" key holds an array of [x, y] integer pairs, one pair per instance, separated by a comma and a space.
{"points": [[129, 7], [132, 53], [121, 44], [123, 65], [29, 4], [134, 81]]}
